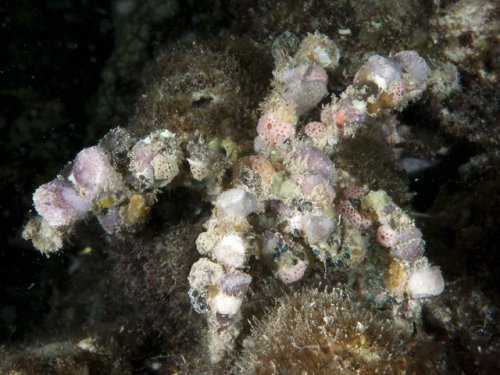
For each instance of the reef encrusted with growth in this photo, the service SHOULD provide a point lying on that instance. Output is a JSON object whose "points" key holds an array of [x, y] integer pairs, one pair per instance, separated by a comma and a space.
{"points": [[287, 204]]}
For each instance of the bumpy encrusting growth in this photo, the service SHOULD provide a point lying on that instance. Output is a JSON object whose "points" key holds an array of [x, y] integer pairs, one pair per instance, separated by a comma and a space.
{"points": [[297, 195], [288, 205], [96, 183]]}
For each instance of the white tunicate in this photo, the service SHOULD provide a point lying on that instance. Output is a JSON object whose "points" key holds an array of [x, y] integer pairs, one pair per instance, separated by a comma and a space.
{"points": [[317, 228], [92, 173], [379, 70], [304, 86], [426, 281], [235, 283], [259, 144], [230, 251], [226, 305], [237, 203], [59, 203], [414, 64]]}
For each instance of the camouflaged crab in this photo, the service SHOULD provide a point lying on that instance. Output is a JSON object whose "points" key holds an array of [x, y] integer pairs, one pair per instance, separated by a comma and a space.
{"points": [[287, 205], [290, 206]]}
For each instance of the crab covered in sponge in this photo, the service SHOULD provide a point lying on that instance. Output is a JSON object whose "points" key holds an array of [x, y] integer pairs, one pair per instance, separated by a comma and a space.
{"points": [[288, 205]]}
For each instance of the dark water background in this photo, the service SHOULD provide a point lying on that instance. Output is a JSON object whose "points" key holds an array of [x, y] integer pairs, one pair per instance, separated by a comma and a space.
{"points": [[52, 56]]}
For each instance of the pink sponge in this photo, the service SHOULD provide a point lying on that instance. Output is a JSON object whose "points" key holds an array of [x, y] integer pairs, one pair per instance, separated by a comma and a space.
{"points": [[398, 90], [289, 273], [352, 215], [273, 130], [386, 236], [315, 129]]}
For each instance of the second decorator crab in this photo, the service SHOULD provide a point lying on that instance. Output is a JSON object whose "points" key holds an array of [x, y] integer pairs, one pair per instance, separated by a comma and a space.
{"points": [[289, 206]]}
